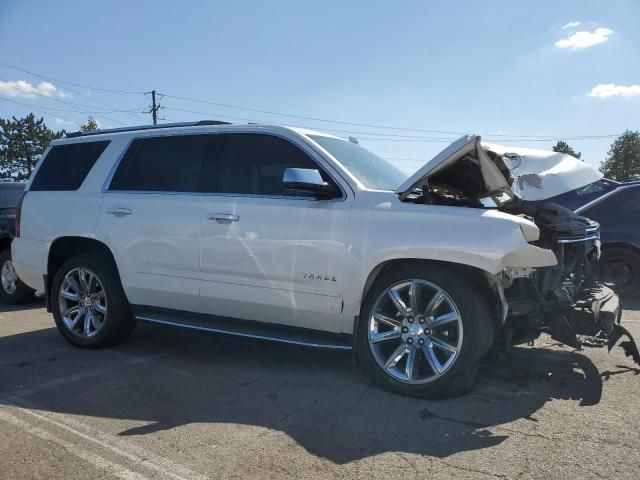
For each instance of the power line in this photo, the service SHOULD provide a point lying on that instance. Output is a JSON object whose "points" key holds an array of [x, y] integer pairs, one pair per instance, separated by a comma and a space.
{"points": [[396, 137], [387, 127], [350, 132], [66, 102], [61, 109], [41, 109], [15, 67], [377, 136]]}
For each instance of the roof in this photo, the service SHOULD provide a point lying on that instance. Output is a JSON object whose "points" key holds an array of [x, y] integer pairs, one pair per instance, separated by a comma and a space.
{"points": [[201, 123]]}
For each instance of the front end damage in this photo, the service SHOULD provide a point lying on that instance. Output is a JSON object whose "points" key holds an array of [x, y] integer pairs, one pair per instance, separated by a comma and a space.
{"points": [[566, 300]]}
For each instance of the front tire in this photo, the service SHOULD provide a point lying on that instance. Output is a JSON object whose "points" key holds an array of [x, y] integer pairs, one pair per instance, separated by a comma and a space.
{"points": [[620, 266], [89, 305], [13, 291], [423, 329]]}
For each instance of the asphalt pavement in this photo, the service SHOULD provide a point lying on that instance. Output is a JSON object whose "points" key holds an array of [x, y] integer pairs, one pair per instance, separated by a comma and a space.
{"points": [[169, 404]]}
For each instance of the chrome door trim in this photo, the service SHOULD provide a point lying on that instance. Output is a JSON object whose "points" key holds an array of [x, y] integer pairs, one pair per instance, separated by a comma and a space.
{"points": [[297, 139]]}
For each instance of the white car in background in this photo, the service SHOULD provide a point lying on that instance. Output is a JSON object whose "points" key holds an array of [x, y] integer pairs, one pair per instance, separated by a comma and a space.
{"points": [[301, 237]]}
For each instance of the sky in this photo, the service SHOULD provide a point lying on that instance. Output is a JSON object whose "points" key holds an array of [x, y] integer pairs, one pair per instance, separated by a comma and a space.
{"points": [[405, 78]]}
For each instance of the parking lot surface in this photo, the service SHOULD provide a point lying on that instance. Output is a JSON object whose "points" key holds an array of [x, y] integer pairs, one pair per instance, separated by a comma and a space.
{"points": [[169, 404]]}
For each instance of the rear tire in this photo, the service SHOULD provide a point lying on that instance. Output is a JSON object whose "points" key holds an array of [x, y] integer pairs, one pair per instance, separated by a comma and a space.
{"points": [[89, 305], [13, 291], [461, 321], [620, 266]]}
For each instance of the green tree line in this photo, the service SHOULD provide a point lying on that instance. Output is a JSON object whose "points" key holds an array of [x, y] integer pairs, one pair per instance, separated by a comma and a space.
{"points": [[23, 140]]}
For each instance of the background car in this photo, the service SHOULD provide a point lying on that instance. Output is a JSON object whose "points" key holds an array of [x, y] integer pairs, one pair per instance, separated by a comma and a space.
{"points": [[581, 196], [618, 213], [616, 206], [12, 289]]}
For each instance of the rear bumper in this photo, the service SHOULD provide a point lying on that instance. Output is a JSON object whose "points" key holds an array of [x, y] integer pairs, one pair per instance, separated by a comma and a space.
{"points": [[30, 261]]}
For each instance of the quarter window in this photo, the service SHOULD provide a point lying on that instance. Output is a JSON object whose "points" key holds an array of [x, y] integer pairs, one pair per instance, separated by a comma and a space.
{"points": [[66, 166]]}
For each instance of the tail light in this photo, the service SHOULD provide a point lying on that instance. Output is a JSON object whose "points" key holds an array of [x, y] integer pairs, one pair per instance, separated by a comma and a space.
{"points": [[19, 212]]}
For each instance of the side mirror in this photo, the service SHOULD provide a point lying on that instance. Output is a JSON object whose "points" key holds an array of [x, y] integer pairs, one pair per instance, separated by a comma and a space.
{"points": [[306, 180]]}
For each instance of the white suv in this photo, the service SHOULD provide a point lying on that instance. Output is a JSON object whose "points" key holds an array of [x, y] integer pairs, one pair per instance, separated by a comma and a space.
{"points": [[301, 237]]}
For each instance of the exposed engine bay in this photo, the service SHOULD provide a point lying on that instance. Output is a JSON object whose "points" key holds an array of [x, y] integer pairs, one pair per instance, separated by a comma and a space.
{"points": [[566, 300]]}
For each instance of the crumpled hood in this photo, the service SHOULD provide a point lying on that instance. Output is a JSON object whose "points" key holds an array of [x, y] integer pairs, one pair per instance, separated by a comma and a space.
{"points": [[535, 174], [541, 174]]}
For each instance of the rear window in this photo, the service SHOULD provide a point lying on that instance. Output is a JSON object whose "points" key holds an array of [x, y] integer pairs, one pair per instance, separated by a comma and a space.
{"points": [[66, 166], [169, 164]]}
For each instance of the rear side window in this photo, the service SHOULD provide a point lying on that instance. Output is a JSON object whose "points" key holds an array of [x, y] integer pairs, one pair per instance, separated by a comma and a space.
{"points": [[630, 201], [255, 164], [66, 166], [169, 164]]}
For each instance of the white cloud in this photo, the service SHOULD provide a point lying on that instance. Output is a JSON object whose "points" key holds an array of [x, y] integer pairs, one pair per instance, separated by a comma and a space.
{"points": [[22, 88], [62, 121], [571, 25], [585, 39], [606, 90]]}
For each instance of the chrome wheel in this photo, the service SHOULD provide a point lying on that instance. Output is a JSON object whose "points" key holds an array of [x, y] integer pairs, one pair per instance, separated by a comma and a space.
{"points": [[415, 331], [83, 303], [8, 277]]}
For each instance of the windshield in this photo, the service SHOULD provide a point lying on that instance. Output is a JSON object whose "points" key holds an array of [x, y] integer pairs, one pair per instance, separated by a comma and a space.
{"points": [[372, 171], [583, 195]]}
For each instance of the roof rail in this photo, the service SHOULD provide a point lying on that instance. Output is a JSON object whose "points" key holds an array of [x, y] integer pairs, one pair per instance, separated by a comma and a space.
{"points": [[146, 127]]}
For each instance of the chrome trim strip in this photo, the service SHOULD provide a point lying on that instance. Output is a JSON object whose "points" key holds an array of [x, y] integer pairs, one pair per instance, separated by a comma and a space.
{"points": [[245, 335], [308, 198], [576, 240]]}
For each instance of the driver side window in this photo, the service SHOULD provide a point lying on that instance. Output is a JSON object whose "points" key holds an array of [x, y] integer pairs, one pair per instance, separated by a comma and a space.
{"points": [[255, 163]]}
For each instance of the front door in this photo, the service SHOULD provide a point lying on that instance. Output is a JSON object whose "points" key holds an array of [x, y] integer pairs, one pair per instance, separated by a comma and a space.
{"points": [[268, 254]]}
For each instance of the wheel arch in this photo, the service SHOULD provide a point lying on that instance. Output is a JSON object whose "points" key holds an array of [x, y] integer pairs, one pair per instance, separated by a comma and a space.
{"points": [[480, 278], [621, 244], [64, 248]]}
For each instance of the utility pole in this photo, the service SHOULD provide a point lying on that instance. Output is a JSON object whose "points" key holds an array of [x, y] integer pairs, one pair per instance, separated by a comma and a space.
{"points": [[154, 107]]}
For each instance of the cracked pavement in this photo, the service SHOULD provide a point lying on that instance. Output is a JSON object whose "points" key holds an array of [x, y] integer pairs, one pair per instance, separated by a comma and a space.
{"points": [[176, 405]]}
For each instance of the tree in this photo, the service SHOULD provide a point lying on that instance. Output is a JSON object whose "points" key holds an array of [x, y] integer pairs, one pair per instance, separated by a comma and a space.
{"points": [[623, 162], [90, 125], [564, 147], [22, 141]]}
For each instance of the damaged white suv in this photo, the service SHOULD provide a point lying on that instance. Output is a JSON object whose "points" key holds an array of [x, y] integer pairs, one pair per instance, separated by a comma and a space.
{"points": [[301, 237]]}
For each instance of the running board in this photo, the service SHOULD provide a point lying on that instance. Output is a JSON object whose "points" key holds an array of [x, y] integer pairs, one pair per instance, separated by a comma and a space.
{"points": [[244, 328]]}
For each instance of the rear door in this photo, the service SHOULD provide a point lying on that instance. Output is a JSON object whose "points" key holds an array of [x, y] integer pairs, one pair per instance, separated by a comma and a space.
{"points": [[618, 215], [150, 218], [268, 254]]}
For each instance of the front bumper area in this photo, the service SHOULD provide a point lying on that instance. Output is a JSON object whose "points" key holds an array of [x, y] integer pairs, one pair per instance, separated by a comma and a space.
{"points": [[597, 311]]}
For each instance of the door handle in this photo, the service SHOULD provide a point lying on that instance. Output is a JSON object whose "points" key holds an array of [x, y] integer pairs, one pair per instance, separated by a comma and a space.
{"points": [[223, 217], [119, 212]]}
